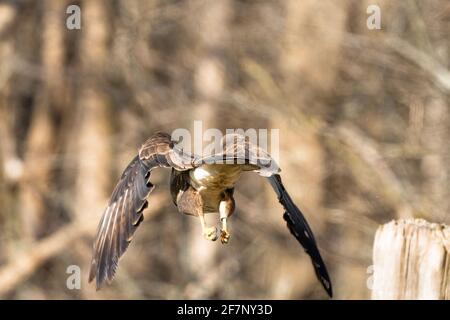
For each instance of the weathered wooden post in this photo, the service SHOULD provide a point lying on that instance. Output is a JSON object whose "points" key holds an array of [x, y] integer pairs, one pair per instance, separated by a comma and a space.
{"points": [[411, 260]]}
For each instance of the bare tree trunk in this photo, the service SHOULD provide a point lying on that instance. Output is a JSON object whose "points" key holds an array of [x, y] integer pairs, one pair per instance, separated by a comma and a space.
{"points": [[8, 13], [435, 164], [411, 260], [11, 166], [209, 84], [91, 133], [304, 65], [91, 145], [42, 139]]}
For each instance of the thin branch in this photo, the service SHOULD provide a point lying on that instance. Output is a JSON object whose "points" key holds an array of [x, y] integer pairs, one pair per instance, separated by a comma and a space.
{"points": [[439, 73], [24, 264], [369, 152]]}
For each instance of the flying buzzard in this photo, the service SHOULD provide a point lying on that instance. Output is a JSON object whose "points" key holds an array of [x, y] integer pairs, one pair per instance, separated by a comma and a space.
{"points": [[198, 185]]}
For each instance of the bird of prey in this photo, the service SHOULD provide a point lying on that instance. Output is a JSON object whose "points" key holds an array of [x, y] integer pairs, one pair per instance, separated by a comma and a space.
{"points": [[198, 185]]}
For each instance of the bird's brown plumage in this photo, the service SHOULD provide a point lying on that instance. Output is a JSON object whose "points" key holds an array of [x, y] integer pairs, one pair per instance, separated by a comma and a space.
{"points": [[198, 184]]}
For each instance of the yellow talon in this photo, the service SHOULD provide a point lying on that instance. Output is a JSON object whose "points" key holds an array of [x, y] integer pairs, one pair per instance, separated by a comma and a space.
{"points": [[224, 236], [210, 233]]}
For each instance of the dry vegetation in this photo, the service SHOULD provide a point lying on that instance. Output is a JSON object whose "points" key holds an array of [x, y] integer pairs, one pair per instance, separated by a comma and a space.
{"points": [[363, 115]]}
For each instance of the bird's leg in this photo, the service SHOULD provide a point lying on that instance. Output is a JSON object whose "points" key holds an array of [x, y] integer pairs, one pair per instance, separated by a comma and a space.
{"points": [[224, 213], [210, 233], [224, 234]]}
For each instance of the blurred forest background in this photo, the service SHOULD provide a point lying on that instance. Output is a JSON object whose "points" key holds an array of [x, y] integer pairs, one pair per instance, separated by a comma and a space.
{"points": [[364, 125]]}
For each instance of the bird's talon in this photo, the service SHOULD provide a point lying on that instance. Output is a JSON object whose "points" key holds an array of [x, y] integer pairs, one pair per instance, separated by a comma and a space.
{"points": [[210, 233], [224, 236]]}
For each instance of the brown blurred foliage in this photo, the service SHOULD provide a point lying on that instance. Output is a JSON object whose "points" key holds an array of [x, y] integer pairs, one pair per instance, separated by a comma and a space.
{"points": [[364, 127]]}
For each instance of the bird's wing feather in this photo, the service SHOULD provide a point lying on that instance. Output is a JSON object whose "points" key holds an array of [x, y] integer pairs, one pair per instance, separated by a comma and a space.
{"points": [[127, 203], [300, 229]]}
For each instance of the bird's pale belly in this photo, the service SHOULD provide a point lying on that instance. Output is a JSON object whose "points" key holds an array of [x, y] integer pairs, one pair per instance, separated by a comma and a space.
{"points": [[215, 176]]}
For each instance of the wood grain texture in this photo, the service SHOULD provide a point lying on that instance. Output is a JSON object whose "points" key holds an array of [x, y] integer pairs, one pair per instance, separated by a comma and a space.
{"points": [[411, 260]]}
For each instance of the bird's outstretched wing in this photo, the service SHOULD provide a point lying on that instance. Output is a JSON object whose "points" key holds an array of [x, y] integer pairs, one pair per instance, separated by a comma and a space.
{"points": [[128, 200], [300, 229]]}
